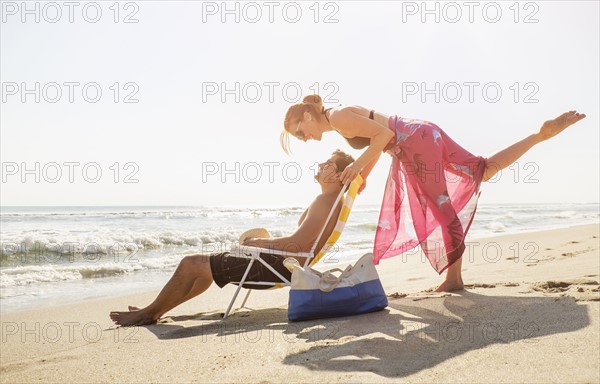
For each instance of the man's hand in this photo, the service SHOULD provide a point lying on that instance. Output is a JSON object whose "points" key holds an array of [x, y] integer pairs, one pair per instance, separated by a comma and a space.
{"points": [[250, 241]]}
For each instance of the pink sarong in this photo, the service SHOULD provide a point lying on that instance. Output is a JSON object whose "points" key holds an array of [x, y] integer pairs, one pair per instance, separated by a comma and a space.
{"points": [[441, 180]]}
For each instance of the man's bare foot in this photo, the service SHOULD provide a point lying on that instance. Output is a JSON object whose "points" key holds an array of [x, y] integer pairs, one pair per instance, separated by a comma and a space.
{"points": [[132, 318], [552, 128], [450, 286]]}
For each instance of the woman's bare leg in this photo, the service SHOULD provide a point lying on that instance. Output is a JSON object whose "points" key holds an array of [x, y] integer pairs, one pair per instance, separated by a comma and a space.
{"points": [[549, 129], [503, 159], [192, 277], [454, 281]]}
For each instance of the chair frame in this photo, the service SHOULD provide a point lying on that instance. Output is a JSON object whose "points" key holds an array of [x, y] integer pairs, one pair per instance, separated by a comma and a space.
{"points": [[253, 253]]}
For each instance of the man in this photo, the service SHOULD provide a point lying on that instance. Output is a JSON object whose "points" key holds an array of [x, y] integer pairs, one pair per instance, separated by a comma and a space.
{"points": [[196, 273]]}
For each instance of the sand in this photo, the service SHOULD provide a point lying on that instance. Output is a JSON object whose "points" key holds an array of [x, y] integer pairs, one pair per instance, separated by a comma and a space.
{"points": [[530, 313]]}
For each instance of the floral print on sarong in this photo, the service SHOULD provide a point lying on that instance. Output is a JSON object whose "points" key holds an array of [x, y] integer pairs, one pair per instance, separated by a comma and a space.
{"points": [[430, 196]]}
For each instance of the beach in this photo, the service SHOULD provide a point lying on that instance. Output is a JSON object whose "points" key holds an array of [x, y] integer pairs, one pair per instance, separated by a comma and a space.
{"points": [[529, 313], [135, 134]]}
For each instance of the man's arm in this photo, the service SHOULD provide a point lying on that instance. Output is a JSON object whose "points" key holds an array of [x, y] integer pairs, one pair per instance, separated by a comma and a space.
{"points": [[303, 239], [302, 217]]}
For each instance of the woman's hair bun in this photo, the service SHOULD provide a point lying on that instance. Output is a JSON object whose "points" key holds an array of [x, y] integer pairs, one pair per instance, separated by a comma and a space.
{"points": [[313, 99]]}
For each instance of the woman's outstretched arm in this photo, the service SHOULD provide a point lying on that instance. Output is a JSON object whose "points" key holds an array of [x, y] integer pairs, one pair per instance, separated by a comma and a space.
{"points": [[367, 170], [351, 124]]}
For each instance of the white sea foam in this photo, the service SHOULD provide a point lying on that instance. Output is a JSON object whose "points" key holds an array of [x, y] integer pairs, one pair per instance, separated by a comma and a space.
{"points": [[108, 242], [50, 273], [49, 252], [496, 227]]}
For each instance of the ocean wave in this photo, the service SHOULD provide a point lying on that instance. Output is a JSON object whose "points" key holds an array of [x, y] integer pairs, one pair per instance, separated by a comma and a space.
{"points": [[35, 274], [358, 244], [107, 243], [291, 211], [167, 212], [369, 227], [495, 227], [565, 215]]}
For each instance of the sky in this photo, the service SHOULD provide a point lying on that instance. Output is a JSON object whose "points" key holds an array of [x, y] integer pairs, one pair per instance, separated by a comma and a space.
{"points": [[182, 102]]}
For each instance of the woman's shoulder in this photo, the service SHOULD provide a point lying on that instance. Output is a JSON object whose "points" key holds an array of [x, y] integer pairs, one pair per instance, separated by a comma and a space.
{"points": [[344, 112], [357, 109]]}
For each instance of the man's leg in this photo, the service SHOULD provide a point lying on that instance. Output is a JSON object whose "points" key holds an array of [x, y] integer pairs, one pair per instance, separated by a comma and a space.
{"points": [[192, 277]]}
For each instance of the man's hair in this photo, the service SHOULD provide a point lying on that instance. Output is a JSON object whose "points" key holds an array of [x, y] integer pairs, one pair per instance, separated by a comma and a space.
{"points": [[343, 159]]}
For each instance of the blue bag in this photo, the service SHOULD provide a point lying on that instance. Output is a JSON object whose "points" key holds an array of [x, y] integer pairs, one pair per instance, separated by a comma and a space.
{"points": [[316, 295]]}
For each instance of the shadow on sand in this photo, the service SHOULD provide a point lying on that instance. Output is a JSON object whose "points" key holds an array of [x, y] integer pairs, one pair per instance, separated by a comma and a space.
{"points": [[420, 335]]}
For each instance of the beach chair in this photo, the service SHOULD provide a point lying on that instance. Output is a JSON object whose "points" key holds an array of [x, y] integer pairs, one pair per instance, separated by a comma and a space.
{"points": [[238, 250]]}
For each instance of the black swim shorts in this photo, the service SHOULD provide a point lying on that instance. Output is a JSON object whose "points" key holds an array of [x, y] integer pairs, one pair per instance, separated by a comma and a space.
{"points": [[226, 269]]}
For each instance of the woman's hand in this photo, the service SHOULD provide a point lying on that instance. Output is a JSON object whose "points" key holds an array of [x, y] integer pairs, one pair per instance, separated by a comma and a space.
{"points": [[349, 173], [362, 186], [552, 128]]}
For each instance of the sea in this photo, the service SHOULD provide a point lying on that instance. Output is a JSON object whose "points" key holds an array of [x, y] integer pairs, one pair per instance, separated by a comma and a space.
{"points": [[56, 255]]}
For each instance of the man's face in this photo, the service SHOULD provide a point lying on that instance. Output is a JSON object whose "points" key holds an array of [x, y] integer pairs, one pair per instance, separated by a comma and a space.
{"points": [[328, 171]]}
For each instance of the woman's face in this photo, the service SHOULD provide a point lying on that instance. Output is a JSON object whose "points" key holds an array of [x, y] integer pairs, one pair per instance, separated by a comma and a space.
{"points": [[307, 129]]}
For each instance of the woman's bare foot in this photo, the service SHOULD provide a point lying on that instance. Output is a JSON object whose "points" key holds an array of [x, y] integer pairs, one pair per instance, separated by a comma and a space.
{"points": [[451, 286], [552, 128], [137, 317], [454, 281]]}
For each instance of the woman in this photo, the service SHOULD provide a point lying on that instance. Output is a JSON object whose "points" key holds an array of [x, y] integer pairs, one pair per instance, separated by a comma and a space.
{"points": [[440, 178]]}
